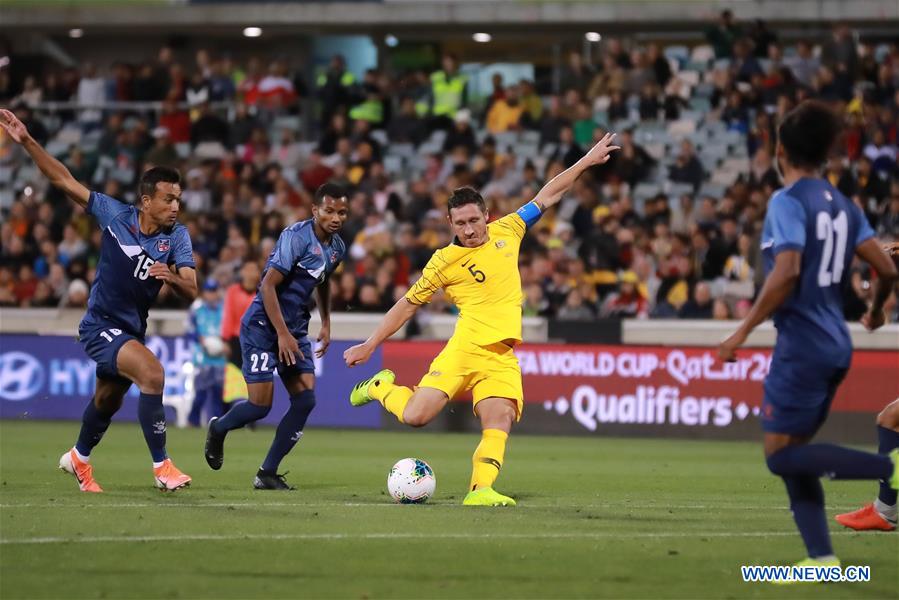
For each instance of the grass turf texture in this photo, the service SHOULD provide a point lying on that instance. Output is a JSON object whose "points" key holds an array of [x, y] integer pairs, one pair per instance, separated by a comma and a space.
{"points": [[597, 518]]}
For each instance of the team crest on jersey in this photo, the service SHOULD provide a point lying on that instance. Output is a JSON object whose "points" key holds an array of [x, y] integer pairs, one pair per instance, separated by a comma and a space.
{"points": [[163, 245], [316, 251], [501, 243], [333, 256]]}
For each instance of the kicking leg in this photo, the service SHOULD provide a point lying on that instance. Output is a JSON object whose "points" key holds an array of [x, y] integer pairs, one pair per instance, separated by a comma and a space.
{"points": [[415, 409], [497, 416], [300, 387], [94, 422]]}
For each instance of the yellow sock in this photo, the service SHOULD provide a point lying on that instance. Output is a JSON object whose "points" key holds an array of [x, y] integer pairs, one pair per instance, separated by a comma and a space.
{"points": [[393, 397], [488, 458]]}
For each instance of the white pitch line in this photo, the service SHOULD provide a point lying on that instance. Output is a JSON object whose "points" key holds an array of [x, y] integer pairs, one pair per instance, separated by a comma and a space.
{"points": [[395, 536], [257, 505]]}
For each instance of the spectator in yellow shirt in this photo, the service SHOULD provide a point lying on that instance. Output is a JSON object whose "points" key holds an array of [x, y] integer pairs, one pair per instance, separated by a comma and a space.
{"points": [[505, 114], [533, 104]]}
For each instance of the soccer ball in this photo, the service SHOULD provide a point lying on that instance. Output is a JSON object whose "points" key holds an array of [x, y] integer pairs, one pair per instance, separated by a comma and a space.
{"points": [[411, 481]]}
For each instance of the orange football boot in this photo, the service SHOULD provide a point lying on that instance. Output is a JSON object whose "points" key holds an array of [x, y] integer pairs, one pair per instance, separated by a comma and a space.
{"points": [[169, 478], [83, 472], [865, 519]]}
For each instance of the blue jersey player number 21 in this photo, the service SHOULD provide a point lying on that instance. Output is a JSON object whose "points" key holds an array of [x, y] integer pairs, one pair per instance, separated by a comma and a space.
{"points": [[811, 234]]}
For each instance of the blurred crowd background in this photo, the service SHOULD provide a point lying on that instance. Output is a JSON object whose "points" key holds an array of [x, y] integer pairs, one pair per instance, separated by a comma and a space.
{"points": [[669, 228]]}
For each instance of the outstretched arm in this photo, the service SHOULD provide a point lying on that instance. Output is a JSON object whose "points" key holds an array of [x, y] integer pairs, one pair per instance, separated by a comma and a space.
{"points": [[395, 318], [552, 192], [52, 169]]}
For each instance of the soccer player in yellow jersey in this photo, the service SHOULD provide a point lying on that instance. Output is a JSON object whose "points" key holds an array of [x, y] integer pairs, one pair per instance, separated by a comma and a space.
{"points": [[479, 273]]}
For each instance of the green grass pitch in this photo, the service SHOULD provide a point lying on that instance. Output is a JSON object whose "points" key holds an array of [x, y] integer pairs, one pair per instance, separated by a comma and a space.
{"points": [[598, 517]]}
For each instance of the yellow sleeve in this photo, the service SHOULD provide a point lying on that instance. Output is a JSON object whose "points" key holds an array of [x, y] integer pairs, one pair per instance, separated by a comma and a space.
{"points": [[513, 224], [431, 280]]}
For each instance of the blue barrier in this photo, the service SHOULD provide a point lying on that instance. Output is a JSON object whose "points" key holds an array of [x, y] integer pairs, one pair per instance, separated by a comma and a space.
{"points": [[49, 377]]}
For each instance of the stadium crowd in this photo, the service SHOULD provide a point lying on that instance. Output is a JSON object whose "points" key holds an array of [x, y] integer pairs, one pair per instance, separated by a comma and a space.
{"points": [[688, 249]]}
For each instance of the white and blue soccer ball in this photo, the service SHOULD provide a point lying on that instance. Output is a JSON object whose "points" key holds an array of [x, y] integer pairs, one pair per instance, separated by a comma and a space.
{"points": [[411, 481]]}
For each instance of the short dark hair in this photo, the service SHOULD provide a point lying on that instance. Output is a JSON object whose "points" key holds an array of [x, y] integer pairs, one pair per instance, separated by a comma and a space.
{"points": [[807, 134], [154, 175], [465, 195], [329, 189]]}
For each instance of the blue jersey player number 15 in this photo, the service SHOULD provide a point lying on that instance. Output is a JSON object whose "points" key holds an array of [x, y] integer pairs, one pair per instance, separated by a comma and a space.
{"points": [[142, 248]]}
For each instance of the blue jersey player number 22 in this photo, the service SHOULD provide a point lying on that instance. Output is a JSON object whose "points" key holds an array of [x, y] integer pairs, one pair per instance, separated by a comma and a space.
{"points": [[273, 333]]}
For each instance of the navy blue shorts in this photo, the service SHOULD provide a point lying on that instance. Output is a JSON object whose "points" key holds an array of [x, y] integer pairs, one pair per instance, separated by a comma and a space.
{"points": [[259, 349], [798, 396], [102, 342]]}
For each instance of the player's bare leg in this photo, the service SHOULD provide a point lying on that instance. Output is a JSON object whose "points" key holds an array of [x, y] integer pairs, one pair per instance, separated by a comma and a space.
{"points": [[137, 363], [414, 408], [255, 407], [423, 406], [880, 515], [106, 402], [300, 389], [497, 416]]}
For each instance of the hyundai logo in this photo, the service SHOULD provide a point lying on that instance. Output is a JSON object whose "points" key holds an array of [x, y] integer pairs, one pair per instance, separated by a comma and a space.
{"points": [[21, 376]]}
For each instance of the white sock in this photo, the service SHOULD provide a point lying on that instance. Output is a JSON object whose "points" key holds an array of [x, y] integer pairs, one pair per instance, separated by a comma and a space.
{"points": [[156, 465], [885, 510], [87, 459]]}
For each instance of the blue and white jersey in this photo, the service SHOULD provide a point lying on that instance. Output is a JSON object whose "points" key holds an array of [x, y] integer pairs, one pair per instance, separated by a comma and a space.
{"points": [[305, 262], [123, 290], [812, 217], [205, 321]]}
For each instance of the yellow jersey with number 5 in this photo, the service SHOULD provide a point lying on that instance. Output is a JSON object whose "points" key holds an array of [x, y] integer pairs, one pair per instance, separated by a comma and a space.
{"points": [[482, 282]]}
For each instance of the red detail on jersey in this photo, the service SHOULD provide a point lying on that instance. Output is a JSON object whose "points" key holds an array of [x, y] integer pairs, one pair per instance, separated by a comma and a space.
{"points": [[163, 245]]}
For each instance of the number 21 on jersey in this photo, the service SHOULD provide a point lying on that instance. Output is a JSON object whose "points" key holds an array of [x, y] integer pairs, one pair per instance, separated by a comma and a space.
{"points": [[834, 234]]}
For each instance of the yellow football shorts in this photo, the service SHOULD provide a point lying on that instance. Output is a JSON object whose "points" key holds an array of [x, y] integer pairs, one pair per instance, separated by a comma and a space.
{"points": [[488, 371]]}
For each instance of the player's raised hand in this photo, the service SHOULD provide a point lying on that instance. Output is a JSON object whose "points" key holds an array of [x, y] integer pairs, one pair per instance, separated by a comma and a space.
{"points": [[324, 340], [288, 350], [161, 271], [13, 126], [602, 151], [357, 355]]}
